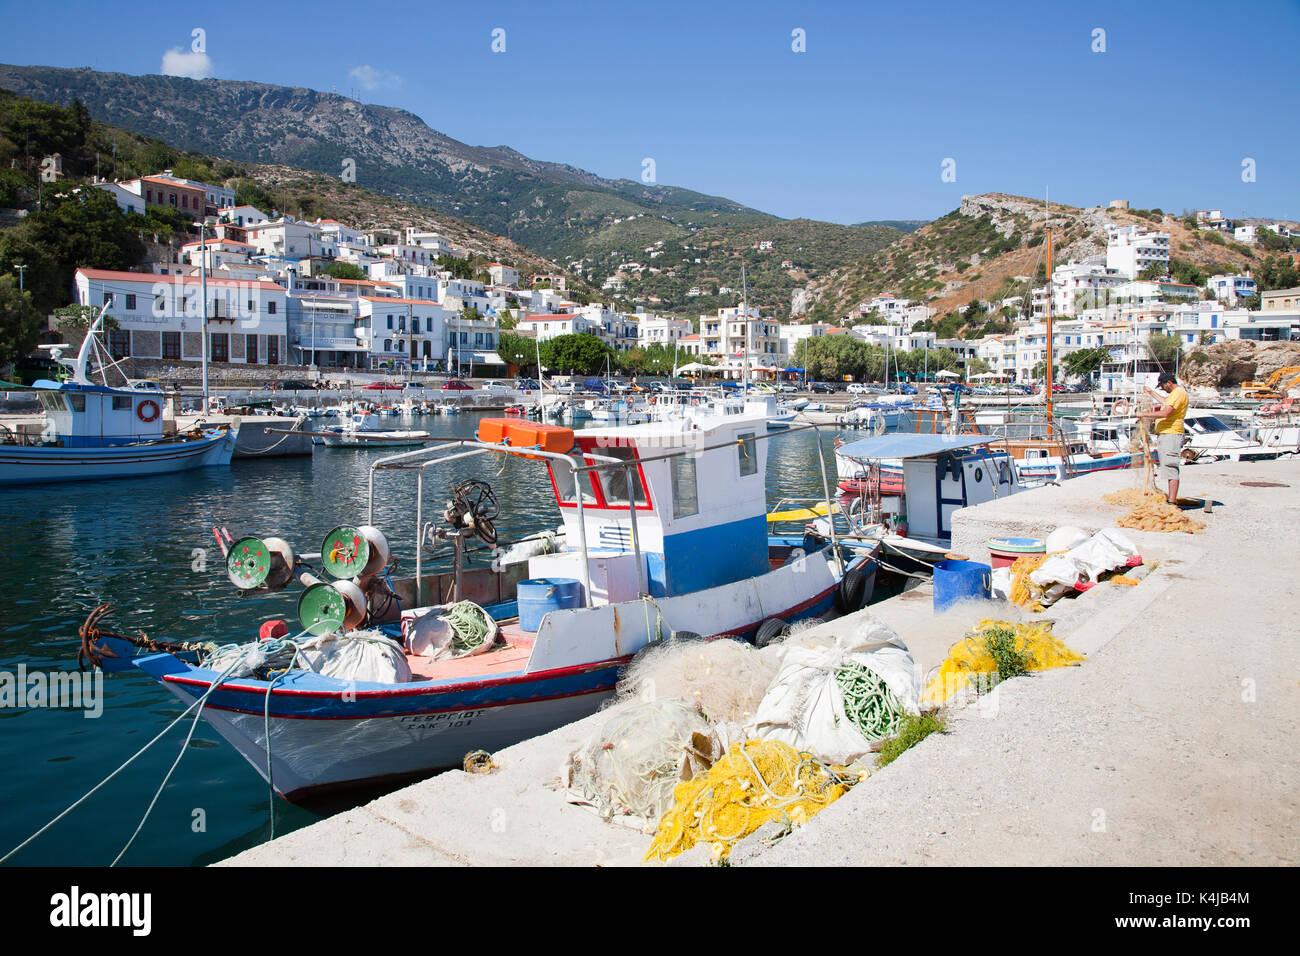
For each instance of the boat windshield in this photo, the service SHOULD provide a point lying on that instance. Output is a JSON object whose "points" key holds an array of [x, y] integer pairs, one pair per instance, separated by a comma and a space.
{"points": [[613, 481], [1208, 423], [564, 484]]}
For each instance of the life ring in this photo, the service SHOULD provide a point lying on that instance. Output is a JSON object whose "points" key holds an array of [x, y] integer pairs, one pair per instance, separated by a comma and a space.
{"points": [[1121, 407], [153, 410], [695, 401], [652, 399]]}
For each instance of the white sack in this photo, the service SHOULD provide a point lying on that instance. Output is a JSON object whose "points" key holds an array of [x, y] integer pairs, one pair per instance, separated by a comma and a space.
{"points": [[361, 656], [804, 706], [1000, 583]]}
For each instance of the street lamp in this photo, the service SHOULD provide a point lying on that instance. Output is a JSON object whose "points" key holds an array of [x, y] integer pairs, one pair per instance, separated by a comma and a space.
{"points": [[20, 269]]}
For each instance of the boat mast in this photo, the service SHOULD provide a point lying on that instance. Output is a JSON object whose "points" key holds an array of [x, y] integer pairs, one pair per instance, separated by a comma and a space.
{"points": [[1047, 215], [744, 310]]}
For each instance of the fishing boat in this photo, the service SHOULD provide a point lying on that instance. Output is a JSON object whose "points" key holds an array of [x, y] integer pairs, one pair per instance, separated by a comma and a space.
{"points": [[361, 430], [664, 536], [92, 430]]}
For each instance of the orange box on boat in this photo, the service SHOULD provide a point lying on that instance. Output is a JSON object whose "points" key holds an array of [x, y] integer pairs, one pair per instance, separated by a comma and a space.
{"points": [[525, 434]]}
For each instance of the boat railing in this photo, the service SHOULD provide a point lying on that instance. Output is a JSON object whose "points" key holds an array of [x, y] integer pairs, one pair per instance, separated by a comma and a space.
{"points": [[455, 449]]}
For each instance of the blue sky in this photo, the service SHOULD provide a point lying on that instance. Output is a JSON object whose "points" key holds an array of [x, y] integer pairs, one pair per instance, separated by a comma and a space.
{"points": [[856, 127]]}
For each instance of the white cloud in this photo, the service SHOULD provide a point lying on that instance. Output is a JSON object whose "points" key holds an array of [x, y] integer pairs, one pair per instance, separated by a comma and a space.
{"points": [[368, 78], [178, 62]]}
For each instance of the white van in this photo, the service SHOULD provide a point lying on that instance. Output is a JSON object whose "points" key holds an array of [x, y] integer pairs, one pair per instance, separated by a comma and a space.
{"points": [[496, 386]]}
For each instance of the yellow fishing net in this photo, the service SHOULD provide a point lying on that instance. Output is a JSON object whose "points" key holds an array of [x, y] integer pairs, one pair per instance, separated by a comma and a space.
{"points": [[1023, 591], [1157, 514], [1124, 580], [969, 656], [755, 783]]}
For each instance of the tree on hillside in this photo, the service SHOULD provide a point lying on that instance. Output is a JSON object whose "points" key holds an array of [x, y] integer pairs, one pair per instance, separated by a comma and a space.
{"points": [[20, 322], [344, 270], [72, 230]]}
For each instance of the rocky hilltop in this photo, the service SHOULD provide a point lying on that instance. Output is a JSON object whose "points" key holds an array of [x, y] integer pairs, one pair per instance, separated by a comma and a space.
{"points": [[990, 247]]}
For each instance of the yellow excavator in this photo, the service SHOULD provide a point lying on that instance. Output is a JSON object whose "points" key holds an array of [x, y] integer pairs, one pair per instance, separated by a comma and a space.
{"points": [[1274, 387]]}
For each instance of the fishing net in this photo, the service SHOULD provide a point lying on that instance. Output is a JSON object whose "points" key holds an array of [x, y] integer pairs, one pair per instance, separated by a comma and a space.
{"points": [[724, 680], [1157, 514], [1023, 591], [757, 782], [639, 753], [970, 656]]}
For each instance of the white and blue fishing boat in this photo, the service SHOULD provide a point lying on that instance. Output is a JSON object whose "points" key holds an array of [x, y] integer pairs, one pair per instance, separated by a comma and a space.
{"points": [[93, 430], [664, 535]]}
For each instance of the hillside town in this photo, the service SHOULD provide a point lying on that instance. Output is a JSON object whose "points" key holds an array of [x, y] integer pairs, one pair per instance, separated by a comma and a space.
{"points": [[272, 300]]}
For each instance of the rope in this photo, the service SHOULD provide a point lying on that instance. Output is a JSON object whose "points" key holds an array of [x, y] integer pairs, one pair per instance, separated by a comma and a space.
{"points": [[468, 623], [198, 702], [284, 438], [868, 702]]}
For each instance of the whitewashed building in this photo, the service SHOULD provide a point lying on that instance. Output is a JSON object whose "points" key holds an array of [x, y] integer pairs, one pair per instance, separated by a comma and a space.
{"points": [[1131, 249], [161, 317]]}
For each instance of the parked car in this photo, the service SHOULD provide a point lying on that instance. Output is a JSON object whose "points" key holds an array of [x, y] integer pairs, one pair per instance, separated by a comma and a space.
{"points": [[787, 387], [823, 388], [293, 384], [456, 385], [858, 388], [495, 386], [566, 388], [526, 384]]}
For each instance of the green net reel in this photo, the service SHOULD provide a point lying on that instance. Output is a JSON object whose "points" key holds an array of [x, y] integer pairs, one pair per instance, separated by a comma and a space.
{"points": [[248, 563], [350, 552], [259, 563], [327, 608], [321, 610]]}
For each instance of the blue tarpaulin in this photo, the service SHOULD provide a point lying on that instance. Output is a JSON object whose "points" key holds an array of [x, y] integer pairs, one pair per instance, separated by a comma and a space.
{"points": [[908, 445]]}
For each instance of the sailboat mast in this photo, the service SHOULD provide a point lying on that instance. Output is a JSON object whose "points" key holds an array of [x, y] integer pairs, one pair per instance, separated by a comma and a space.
{"points": [[744, 311]]}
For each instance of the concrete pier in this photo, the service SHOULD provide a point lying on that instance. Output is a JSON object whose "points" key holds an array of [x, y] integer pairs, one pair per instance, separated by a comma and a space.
{"points": [[1172, 744]]}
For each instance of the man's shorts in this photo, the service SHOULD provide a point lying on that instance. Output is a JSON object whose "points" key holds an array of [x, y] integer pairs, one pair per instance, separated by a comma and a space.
{"points": [[1170, 448]]}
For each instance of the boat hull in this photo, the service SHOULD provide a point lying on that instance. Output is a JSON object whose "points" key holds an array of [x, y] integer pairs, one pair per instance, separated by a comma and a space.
{"points": [[328, 734], [21, 464]]}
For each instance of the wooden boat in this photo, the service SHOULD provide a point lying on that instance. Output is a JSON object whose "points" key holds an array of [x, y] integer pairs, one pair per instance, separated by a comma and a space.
{"points": [[664, 531], [95, 431]]}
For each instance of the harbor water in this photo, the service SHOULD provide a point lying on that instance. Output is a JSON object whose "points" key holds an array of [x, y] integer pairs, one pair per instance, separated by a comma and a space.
{"points": [[146, 546]]}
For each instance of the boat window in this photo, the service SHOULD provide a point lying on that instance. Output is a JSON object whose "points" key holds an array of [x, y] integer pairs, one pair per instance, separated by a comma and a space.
{"points": [[564, 485], [613, 481], [1209, 423], [78, 402], [685, 494], [52, 403], [747, 450], [121, 402]]}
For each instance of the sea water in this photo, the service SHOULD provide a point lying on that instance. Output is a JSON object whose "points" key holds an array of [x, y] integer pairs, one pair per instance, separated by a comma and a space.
{"points": [[146, 545]]}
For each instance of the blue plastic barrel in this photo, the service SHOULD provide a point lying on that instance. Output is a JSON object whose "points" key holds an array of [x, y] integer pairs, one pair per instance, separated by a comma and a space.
{"points": [[956, 581], [538, 596]]}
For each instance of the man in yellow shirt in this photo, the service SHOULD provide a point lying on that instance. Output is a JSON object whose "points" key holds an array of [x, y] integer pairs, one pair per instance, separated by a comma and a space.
{"points": [[1170, 410]]}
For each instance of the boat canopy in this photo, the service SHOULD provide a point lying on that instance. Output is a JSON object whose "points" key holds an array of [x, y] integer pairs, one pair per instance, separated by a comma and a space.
{"points": [[903, 445]]}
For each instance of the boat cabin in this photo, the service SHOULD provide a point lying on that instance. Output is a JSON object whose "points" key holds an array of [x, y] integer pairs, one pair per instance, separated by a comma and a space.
{"points": [[94, 416], [941, 474], [692, 501]]}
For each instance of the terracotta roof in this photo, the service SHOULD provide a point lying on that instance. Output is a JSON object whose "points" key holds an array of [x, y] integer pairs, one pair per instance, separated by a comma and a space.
{"points": [[152, 277], [393, 300]]}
